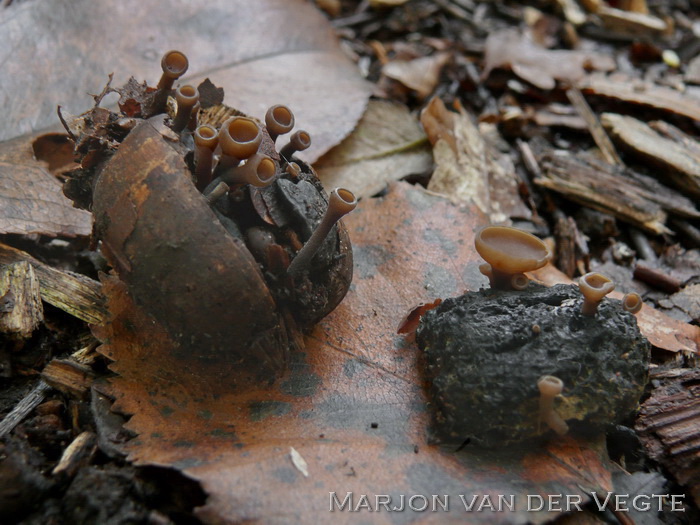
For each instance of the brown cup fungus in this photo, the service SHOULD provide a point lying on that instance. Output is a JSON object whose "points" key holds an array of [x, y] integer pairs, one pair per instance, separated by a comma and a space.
{"points": [[632, 302], [509, 253], [340, 203], [187, 97], [299, 141], [258, 170], [550, 387], [174, 65], [206, 139], [239, 138], [594, 287], [279, 120]]}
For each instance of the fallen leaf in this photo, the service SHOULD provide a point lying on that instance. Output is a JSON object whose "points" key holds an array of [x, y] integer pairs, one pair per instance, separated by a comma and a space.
{"points": [[539, 66], [661, 330], [262, 53], [420, 74], [353, 405], [31, 200], [469, 170], [387, 145]]}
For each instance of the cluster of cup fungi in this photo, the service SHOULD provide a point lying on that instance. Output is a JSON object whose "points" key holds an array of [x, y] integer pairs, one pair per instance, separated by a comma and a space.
{"points": [[509, 253], [240, 161]]}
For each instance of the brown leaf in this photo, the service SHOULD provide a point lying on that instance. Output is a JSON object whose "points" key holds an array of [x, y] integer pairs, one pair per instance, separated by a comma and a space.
{"points": [[31, 200], [661, 330], [262, 53], [539, 66], [353, 407], [420, 74], [387, 145], [468, 169]]}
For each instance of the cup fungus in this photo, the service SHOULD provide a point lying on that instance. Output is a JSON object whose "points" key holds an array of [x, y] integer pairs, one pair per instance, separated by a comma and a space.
{"points": [[259, 171], [299, 141], [632, 302], [594, 287], [174, 65], [187, 97], [239, 138], [206, 139], [340, 203], [550, 387], [188, 260], [279, 120], [509, 253]]}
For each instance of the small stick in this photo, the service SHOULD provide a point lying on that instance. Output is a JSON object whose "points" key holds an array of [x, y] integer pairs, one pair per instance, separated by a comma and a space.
{"points": [[643, 246], [656, 278], [23, 408], [594, 126]]}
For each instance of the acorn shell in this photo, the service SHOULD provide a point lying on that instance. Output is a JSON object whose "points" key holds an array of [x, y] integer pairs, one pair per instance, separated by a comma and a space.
{"points": [[178, 261]]}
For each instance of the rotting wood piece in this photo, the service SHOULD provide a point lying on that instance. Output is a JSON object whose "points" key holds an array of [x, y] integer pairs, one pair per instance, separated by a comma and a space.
{"points": [[637, 91], [679, 161], [22, 311], [629, 196], [669, 427], [76, 294], [69, 377], [77, 454]]}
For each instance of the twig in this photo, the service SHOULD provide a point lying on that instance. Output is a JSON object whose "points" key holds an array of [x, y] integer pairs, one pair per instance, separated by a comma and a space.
{"points": [[656, 278], [65, 125], [594, 127], [23, 408], [641, 243]]}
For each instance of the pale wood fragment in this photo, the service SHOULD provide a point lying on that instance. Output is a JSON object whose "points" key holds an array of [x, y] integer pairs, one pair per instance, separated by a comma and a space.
{"points": [[21, 311], [69, 377]]}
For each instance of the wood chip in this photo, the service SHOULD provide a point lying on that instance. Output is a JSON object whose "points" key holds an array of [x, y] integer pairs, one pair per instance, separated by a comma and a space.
{"points": [[669, 427], [600, 186], [679, 162], [594, 127], [76, 294], [23, 408], [631, 23], [299, 462], [20, 300], [69, 377], [77, 454], [638, 91]]}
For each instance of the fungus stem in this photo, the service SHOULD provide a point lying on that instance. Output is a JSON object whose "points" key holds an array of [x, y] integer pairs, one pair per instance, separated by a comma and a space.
{"points": [[259, 170], [216, 192], [340, 202]]}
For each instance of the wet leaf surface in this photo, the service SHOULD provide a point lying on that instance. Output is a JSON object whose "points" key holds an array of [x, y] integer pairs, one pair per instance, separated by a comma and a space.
{"points": [[262, 53], [31, 200], [353, 406]]}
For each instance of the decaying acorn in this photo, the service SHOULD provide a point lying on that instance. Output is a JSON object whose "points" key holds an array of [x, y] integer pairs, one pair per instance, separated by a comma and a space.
{"points": [[234, 248]]}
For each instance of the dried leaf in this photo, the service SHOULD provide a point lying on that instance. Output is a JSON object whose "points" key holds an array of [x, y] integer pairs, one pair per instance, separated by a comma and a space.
{"points": [[353, 406], [468, 169], [539, 66], [420, 74], [31, 200], [661, 330], [387, 145], [262, 53]]}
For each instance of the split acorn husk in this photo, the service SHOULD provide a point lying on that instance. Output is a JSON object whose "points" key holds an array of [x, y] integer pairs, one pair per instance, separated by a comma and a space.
{"points": [[205, 247]]}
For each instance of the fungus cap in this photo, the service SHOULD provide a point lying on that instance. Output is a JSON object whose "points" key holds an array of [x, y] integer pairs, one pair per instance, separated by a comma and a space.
{"points": [[206, 136], [174, 64], [594, 286], [187, 96], [510, 250], [632, 302], [240, 137], [550, 386]]}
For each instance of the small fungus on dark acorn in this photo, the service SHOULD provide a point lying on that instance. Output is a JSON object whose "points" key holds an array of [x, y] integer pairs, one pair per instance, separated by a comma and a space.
{"points": [[509, 253], [340, 203], [299, 141], [632, 302], [550, 387], [594, 287], [258, 170], [279, 120], [239, 138], [187, 97]]}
